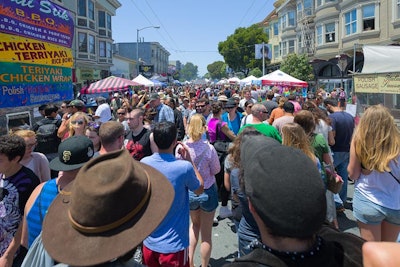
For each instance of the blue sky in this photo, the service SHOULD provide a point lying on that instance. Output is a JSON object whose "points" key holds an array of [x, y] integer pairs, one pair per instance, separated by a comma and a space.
{"points": [[189, 30]]}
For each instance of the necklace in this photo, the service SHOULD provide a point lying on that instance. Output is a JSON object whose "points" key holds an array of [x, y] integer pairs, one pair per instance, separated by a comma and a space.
{"points": [[62, 192], [295, 255]]}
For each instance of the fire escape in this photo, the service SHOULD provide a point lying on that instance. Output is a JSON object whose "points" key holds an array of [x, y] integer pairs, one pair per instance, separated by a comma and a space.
{"points": [[305, 18]]}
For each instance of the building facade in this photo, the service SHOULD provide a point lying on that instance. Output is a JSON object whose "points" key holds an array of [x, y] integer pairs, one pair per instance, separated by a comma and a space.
{"points": [[93, 40], [332, 33], [149, 53]]}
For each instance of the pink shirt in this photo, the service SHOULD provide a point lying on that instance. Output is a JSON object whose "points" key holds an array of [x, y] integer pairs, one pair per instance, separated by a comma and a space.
{"points": [[206, 160]]}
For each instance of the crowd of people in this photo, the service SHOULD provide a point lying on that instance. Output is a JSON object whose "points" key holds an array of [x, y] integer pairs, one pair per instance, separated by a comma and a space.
{"points": [[138, 180]]}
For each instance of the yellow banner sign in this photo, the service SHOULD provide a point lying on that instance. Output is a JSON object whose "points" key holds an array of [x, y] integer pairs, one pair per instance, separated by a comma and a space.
{"points": [[15, 49], [387, 83]]}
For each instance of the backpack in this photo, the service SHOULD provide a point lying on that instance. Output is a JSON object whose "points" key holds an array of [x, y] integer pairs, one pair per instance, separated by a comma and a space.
{"points": [[47, 139]]}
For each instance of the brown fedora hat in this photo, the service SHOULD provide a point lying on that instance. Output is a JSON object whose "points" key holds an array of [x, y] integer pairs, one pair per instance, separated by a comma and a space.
{"points": [[113, 204]]}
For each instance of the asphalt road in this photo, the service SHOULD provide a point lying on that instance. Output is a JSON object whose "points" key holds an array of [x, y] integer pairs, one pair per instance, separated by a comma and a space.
{"points": [[225, 243]]}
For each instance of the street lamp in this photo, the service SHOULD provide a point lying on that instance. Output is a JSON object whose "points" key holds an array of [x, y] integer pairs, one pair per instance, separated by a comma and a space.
{"points": [[137, 44], [342, 63]]}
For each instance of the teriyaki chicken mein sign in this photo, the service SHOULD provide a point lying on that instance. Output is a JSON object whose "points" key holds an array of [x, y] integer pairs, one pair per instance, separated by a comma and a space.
{"points": [[35, 52]]}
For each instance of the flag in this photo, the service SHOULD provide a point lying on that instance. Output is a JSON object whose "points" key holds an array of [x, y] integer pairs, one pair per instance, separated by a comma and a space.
{"points": [[259, 51]]}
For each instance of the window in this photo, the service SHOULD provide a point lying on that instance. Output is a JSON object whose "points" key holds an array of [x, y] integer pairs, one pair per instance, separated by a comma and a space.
{"points": [[284, 48], [368, 17], [308, 7], [82, 40], [319, 35], [299, 42], [283, 22], [350, 23], [330, 33], [92, 49], [102, 49], [102, 19], [267, 32], [291, 46], [291, 19], [299, 10], [91, 10], [277, 53], [82, 8], [398, 9], [109, 50], [108, 16], [276, 28]]}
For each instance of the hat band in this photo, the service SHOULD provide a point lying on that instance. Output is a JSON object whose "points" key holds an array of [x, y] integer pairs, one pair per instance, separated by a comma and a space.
{"points": [[113, 225]]}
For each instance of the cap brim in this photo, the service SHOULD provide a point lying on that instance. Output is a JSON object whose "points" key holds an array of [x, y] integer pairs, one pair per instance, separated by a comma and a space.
{"points": [[67, 245], [56, 165]]}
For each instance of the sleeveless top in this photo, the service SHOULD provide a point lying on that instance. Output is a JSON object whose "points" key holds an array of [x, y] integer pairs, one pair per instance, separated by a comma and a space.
{"points": [[38, 211]]}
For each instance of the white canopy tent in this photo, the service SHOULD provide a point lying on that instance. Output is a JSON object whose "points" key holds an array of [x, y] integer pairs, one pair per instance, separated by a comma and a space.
{"points": [[143, 81], [279, 78], [234, 80], [248, 80]]}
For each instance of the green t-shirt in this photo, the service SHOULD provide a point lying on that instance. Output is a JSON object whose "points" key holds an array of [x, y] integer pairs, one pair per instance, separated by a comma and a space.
{"points": [[265, 129]]}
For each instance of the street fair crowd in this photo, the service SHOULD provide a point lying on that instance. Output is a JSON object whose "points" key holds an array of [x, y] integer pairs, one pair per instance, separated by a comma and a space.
{"points": [[141, 177]]}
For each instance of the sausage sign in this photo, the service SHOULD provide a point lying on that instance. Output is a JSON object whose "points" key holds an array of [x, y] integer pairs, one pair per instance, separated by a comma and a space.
{"points": [[35, 53]]}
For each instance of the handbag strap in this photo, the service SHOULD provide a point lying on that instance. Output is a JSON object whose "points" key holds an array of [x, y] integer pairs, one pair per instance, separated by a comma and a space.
{"points": [[398, 181], [218, 130]]}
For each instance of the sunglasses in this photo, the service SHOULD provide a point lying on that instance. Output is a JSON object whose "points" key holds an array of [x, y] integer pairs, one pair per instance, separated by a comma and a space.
{"points": [[93, 124], [77, 122], [200, 106], [121, 113]]}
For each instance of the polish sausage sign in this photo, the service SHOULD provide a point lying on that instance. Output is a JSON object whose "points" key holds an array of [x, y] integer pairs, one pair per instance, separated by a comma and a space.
{"points": [[35, 52]]}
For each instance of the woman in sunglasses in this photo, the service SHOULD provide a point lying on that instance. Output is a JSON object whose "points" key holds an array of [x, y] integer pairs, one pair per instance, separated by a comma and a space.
{"points": [[78, 123], [35, 161], [92, 132]]}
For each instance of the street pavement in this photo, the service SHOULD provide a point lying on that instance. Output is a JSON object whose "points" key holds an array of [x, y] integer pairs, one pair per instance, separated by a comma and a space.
{"points": [[225, 243]]}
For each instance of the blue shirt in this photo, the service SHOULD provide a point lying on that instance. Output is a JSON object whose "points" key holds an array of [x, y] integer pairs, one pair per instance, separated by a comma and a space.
{"points": [[164, 113], [172, 235], [343, 126], [39, 209], [234, 125]]}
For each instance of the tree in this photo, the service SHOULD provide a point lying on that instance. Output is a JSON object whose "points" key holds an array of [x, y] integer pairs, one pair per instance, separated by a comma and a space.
{"points": [[188, 72], [239, 48], [217, 70], [256, 72], [298, 67]]}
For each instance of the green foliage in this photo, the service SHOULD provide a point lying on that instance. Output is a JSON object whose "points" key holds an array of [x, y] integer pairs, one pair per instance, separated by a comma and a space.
{"points": [[298, 66], [188, 72], [217, 70], [207, 76], [256, 72], [239, 48]]}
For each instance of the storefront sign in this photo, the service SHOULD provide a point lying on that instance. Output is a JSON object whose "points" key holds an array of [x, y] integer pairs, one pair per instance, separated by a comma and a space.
{"points": [[35, 53], [387, 83]]}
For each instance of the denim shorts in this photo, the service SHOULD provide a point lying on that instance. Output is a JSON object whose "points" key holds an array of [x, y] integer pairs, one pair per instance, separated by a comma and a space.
{"points": [[368, 212], [202, 202]]}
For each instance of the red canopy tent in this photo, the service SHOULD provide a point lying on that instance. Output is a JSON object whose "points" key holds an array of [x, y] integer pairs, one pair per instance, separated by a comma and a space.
{"points": [[278, 77], [109, 84]]}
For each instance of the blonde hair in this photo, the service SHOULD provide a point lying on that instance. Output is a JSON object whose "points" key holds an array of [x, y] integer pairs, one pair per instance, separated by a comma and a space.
{"points": [[294, 135], [73, 118], [196, 127], [24, 133], [377, 139], [282, 100]]}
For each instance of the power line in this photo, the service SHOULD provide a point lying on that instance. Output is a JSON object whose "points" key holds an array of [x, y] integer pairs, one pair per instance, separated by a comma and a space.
{"points": [[245, 13]]}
